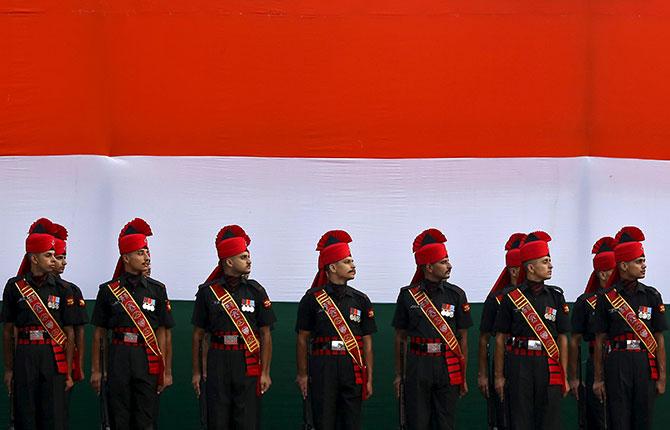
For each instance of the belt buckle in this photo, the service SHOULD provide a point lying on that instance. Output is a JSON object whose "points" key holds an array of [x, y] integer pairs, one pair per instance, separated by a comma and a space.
{"points": [[130, 337], [230, 339], [337, 345], [36, 335], [433, 348], [633, 344], [534, 345]]}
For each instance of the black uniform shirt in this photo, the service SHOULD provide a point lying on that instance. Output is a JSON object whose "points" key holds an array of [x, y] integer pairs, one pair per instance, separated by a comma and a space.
{"points": [[491, 305], [583, 315], [449, 300], [250, 297], [355, 307], [549, 304], [149, 294], [15, 309], [80, 314], [608, 320]]}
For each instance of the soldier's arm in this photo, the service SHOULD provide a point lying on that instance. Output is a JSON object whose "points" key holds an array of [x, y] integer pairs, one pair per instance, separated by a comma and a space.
{"points": [[399, 346], [563, 348], [368, 358], [575, 344], [99, 336], [660, 362], [301, 361], [69, 353], [598, 371], [499, 364], [168, 353], [8, 353], [80, 343], [483, 371], [196, 361], [266, 357]]}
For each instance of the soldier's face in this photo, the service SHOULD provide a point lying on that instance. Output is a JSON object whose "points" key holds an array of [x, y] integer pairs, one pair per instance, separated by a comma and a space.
{"points": [[240, 264], [61, 262], [44, 262], [344, 269], [541, 268], [636, 269], [441, 269], [137, 262]]}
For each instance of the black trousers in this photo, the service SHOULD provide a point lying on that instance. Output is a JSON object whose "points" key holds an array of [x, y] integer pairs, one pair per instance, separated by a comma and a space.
{"points": [[336, 398], [430, 400], [39, 390], [132, 390], [534, 404], [630, 390], [231, 397], [596, 415]]}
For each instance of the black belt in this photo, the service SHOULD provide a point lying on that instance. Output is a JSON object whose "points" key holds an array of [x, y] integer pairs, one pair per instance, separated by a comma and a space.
{"points": [[530, 344], [33, 334], [628, 345], [433, 347]]}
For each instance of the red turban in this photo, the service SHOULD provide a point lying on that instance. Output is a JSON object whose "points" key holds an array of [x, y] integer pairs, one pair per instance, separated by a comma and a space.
{"points": [[60, 234], [603, 260], [333, 247], [536, 245], [428, 248], [230, 241], [133, 236], [40, 239], [628, 247], [512, 259]]}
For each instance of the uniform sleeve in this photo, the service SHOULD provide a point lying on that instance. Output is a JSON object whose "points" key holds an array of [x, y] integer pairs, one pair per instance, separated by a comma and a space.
{"points": [[503, 322], [563, 316], [579, 315], [401, 315], [81, 316], [600, 318], [199, 317], [463, 314], [9, 300], [658, 321], [306, 315], [166, 318], [488, 314], [266, 315], [101, 311], [68, 312], [368, 324]]}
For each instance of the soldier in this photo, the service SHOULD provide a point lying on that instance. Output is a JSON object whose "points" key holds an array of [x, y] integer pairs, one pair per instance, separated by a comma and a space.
{"points": [[507, 281], [80, 316], [335, 322], [632, 316], [583, 314], [237, 314], [136, 368], [536, 316], [40, 311], [436, 363]]}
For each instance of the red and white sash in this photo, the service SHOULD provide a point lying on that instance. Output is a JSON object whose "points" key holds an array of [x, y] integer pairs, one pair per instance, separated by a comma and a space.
{"points": [[344, 332], [639, 328]]}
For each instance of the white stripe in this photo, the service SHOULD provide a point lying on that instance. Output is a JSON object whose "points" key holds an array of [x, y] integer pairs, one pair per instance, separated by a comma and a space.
{"points": [[286, 204]]}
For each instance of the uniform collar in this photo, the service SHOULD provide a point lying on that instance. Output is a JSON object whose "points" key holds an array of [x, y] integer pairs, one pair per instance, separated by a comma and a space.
{"points": [[432, 286], [527, 286], [338, 290], [48, 279], [621, 287], [132, 281]]}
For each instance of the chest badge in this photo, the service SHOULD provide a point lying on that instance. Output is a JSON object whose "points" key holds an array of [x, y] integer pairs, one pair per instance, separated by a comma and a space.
{"points": [[149, 304], [644, 312], [53, 302], [355, 314], [448, 310], [550, 314], [248, 305]]}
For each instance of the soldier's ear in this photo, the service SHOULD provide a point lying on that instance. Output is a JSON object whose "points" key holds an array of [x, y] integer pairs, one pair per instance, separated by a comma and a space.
{"points": [[229, 262], [32, 258], [331, 268], [125, 258]]}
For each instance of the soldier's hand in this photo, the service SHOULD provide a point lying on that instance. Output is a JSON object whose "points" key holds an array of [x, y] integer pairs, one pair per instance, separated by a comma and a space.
{"points": [[96, 381], [396, 385], [599, 390], [574, 387], [368, 388], [69, 383], [660, 386], [464, 389], [302, 381], [195, 381], [9, 378], [266, 381], [500, 387], [566, 387], [167, 381], [483, 384]]}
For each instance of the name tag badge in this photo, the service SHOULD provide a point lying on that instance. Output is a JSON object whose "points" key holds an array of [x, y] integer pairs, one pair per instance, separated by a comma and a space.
{"points": [[644, 313]]}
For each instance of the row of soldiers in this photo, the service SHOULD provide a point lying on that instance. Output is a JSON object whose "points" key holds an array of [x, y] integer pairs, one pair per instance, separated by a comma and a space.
{"points": [[524, 325]]}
